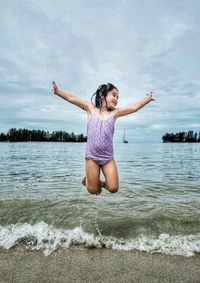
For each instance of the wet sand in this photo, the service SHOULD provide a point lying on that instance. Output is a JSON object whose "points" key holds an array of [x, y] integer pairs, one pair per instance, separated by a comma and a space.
{"points": [[96, 265]]}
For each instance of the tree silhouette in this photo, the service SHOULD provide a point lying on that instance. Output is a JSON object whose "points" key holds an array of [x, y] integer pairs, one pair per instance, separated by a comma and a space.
{"points": [[189, 136], [22, 135]]}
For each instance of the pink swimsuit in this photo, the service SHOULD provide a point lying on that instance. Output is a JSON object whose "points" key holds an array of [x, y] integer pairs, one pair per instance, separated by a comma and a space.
{"points": [[99, 145]]}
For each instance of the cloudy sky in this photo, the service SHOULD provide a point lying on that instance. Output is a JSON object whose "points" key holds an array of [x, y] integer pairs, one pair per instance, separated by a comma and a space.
{"points": [[136, 45]]}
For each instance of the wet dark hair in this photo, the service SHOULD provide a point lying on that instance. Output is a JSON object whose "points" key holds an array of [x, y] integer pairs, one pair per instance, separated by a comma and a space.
{"points": [[102, 90]]}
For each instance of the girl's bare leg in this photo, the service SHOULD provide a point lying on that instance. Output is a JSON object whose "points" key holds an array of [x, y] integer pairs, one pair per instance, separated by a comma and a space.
{"points": [[111, 176], [102, 184]]}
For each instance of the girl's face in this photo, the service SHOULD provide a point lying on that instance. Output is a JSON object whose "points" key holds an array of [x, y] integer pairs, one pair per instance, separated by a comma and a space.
{"points": [[112, 98]]}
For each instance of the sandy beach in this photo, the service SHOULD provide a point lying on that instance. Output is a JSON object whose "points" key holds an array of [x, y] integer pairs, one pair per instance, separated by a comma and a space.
{"points": [[96, 265]]}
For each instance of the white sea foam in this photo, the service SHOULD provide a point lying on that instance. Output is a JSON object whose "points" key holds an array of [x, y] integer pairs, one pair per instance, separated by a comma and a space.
{"points": [[47, 238]]}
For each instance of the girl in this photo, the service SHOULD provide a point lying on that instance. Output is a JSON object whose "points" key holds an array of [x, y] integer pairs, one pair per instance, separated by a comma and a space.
{"points": [[100, 129]]}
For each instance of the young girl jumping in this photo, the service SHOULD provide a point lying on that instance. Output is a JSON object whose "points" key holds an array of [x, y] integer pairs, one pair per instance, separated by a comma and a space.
{"points": [[100, 129]]}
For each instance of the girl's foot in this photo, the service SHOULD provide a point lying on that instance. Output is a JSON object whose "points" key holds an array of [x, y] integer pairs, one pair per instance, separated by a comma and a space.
{"points": [[100, 191], [103, 184], [84, 181]]}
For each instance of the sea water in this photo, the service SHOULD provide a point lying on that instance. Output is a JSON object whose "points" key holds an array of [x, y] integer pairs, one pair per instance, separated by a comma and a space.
{"points": [[43, 204]]}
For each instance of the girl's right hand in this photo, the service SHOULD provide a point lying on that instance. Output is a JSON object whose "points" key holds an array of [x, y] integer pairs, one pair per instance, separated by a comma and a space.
{"points": [[55, 88]]}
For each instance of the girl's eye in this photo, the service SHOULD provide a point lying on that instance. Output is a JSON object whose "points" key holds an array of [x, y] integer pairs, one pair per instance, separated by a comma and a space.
{"points": [[115, 95]]}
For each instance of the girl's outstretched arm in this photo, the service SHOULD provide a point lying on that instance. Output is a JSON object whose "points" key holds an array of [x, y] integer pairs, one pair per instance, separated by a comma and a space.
{"points": [[71, 98], [135, 107]]}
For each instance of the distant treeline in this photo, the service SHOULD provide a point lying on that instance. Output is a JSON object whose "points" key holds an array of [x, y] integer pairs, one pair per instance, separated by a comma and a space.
{"points": [[25, 135], [189, 136]]}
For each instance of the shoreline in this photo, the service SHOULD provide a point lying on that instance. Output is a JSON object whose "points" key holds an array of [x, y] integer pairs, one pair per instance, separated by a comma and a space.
{"points": [[78, 264]]}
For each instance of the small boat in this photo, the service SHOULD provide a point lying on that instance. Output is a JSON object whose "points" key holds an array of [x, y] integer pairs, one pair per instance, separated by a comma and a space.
{"points": [[124, 139]]}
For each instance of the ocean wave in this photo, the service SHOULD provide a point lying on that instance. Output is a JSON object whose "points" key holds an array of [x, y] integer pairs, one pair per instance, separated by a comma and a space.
{"points": [[42, 236]]}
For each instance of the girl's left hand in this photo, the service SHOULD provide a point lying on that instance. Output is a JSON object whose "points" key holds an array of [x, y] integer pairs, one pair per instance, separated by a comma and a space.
{"points": [[149, 95]]}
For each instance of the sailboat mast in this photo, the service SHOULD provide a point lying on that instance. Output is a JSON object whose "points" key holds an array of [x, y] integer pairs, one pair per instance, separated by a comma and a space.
{"points": [[124, 138]]}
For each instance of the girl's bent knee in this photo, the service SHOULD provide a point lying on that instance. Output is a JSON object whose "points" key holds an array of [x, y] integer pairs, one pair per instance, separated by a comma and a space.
{"points": [[113, 190], [92, 190]]}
